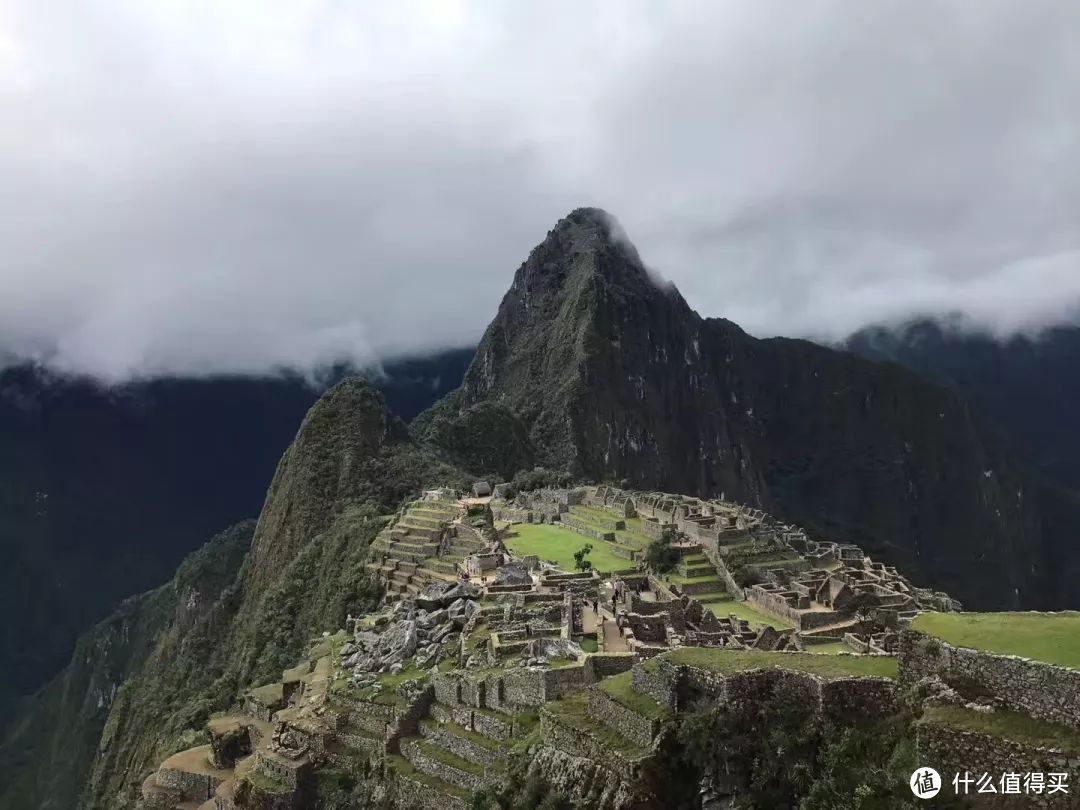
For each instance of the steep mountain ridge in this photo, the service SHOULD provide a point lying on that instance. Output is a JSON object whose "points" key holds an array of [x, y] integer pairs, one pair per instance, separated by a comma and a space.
{"points": [[613, 376]]}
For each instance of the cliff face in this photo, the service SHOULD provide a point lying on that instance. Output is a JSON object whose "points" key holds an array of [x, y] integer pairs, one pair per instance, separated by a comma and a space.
{"points": [[613, 376], [227, 622], [54, 740]]}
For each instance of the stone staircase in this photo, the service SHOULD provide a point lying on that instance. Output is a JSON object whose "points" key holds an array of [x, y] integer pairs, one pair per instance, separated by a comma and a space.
{"points": [[406, 555], [697, 577], [455, 751]]}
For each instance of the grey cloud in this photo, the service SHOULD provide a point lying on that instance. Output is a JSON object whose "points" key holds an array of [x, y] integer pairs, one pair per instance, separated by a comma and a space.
{"points": [[191, 188]]}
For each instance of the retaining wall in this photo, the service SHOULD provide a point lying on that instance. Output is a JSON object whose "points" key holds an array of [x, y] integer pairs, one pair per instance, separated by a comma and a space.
{"points": [[1043, 691]]}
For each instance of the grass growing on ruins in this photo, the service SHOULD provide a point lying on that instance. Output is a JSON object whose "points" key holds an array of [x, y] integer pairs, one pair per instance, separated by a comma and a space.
{"points": [[1053, 638], [572, 711], [832, 648], [1007, 724], [267, 784], [728, 607], [405, 768], [620, 689], [557, 545], [727, 662], [448, 758]]}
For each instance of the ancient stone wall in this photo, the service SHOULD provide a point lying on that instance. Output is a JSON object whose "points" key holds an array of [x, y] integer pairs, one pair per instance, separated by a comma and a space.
{"points": [[660, 681], [579, 744], [464, 748], [557, 682], [638, 729], [607, 664], [285, 772], [192, 786], [433, 766], [413, 795], [952, 751], [776, 606], [1039, 690], [859, 697]]}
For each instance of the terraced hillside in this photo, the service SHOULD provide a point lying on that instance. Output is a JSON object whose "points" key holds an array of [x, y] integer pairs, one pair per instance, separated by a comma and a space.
{"points": [[424, 544]]}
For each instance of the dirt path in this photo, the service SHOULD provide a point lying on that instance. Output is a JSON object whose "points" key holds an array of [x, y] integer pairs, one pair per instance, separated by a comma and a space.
{"points": [[613, 640]]}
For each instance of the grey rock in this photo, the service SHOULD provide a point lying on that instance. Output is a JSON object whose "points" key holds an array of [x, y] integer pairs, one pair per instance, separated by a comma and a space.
{"points": [[442, 632], [513, 574]]}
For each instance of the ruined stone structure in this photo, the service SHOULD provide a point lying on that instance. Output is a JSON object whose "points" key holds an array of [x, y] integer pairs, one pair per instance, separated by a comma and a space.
{"points": [[432, 693]]}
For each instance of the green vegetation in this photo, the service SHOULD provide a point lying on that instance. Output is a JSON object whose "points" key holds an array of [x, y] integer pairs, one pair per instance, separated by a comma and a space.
{"points": [[590, 645], [832, 648], [405, 769], [558, 546], [466, 734], [723, 608], [440, 754], [728, 662], [1007, 724], [660, 556], [781, 753], [620, 689], [572, 711], [1053, 638], [266, 783], [580, 561]]}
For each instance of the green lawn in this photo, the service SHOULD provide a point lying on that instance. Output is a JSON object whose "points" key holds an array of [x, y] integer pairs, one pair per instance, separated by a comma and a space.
{"points": [[832, 648], [557, 545], [1050, 637], [725, 608], [827, 666], [1006, 724], [620, 689]]}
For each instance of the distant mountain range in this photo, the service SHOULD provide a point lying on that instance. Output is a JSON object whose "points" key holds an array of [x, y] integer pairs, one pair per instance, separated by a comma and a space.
{"points": [[104, 491], [1029, 386]]}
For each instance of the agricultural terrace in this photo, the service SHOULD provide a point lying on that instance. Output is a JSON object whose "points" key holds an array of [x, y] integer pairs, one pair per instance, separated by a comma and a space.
{"points": [[1053, 638], [558, 546], [729, 662]]}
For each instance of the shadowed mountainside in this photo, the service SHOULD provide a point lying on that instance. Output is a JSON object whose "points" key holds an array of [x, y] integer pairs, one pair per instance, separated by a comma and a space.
{"points": [[1028, 386], [611, 375], [123, 482]]}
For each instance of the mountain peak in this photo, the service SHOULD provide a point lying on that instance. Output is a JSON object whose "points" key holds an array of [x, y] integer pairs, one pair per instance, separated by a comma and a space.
{"points": [[585, 246]]}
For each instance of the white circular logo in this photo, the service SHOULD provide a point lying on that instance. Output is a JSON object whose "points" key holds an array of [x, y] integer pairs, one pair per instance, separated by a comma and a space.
{"points": [[925, 783]]}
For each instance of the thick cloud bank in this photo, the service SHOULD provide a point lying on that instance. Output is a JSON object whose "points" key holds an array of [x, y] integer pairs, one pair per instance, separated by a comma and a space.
{"points": [[207, 186]]}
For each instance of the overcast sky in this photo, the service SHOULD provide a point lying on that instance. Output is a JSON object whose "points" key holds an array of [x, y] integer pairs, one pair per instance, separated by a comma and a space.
{"points": [[191, 186]]}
